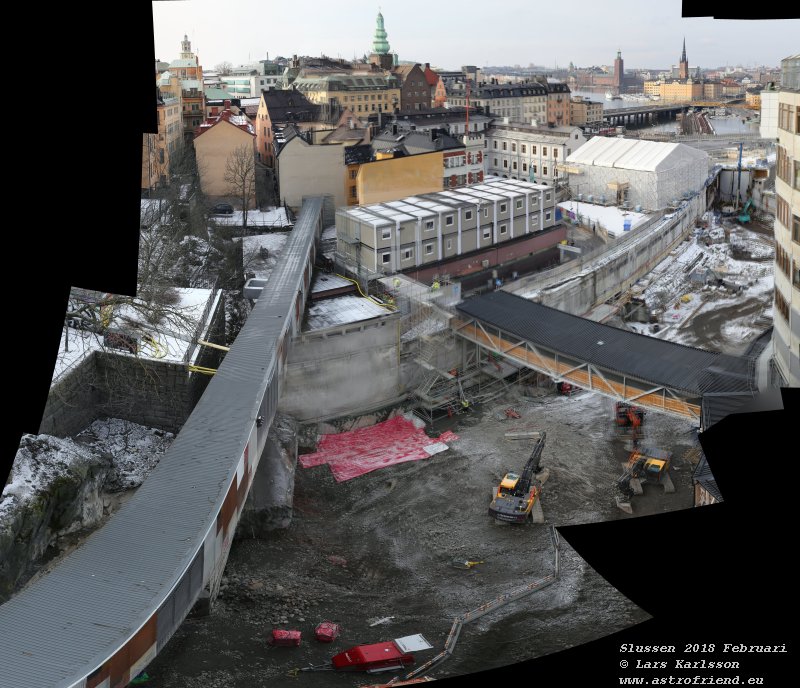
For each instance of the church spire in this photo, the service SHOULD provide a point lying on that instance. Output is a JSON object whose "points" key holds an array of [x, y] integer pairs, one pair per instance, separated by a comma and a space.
{"points": [[683, 54], [380, 45]]}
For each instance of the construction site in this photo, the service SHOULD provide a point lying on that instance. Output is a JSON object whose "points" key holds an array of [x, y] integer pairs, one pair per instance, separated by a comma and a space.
{"points": [[386, 542]]}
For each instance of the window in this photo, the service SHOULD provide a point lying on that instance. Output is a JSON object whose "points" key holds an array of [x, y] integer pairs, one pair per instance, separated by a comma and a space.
{"points": [[796, 229], [524, 148], [547, 216], [505, 164], [449, 244], [386, 258], [503, 229], [513, 147], [555, 152], [486, 212], [428, 249], [535, 170], [524, 166], [467, 214], [518, 204], [544, 170], [386, 234], [353, 192], [408, 253], [495, 162], [569, 152], [487, 233], [503, 207], [495, 144], [514, 165], [544, 150], [505, 146], [428, 225], [548, 195], [353, 174], [448, 220]]}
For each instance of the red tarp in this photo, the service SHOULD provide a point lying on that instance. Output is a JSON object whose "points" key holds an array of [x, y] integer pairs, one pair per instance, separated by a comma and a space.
{"points": [[284, 638], [354, 453]]}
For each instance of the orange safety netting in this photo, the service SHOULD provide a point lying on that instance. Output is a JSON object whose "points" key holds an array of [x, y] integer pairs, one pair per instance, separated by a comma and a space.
{"points": [[354, 453]]}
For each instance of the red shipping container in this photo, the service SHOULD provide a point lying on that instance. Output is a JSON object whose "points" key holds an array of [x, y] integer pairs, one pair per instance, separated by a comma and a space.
{"points": [[326, 632], [284, 638]]}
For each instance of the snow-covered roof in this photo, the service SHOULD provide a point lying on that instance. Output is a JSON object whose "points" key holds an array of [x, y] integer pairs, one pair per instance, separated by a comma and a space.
{"points": [[612, 218], [341, 311], [634, 154]]}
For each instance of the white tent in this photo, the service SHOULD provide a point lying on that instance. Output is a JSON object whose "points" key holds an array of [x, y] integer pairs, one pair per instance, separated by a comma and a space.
{"points": [[649, 174]]}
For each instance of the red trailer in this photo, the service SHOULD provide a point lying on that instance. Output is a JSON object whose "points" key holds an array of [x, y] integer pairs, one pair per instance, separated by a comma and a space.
{"points": [[387, 656]]}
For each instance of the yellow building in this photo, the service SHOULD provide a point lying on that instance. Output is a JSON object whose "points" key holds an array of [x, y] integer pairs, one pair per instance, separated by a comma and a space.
{"points": [[158, 149], [753, 99], [361, 92], [652, 88], [217, 142], [681, 91], [390, 178]]}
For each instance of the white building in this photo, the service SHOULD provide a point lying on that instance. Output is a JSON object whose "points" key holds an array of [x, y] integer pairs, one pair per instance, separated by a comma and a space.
{"points": [[529, 152], [648, 174]]}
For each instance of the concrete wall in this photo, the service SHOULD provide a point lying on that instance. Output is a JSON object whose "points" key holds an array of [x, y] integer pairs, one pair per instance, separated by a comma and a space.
{"points": [[311, 170], [578, 286], [344, 370], [149, 392]]}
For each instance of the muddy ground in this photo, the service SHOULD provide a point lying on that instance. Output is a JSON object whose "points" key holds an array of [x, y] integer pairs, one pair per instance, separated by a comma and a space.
{"points": [[382, 545]]}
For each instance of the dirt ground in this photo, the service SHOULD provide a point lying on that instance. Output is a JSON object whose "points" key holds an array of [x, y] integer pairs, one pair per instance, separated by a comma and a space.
{"points": [[383, 545]]}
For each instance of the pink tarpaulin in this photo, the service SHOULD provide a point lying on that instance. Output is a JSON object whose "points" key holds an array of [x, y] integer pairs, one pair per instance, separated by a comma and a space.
{"points": [[354, 453]]}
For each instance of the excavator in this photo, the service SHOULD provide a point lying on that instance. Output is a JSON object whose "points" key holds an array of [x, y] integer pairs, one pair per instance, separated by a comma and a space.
{"points": [[645, 465], [516, 495]]}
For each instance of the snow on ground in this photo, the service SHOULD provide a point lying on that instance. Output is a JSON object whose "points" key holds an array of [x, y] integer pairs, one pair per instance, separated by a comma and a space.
{"points": [[683, 303], [274, 217], [135, 449], [613, 219], [168, 341], [251, 252]]}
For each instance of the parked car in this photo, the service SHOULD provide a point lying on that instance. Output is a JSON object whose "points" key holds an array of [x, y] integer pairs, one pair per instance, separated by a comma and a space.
{"points": [[222, 209]]}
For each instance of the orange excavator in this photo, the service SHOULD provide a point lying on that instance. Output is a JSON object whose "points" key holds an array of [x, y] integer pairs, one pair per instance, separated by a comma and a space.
{"points": [[629, 420]]}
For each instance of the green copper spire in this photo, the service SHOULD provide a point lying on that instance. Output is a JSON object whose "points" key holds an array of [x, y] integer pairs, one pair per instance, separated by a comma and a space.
{"points": [[380, 45]]}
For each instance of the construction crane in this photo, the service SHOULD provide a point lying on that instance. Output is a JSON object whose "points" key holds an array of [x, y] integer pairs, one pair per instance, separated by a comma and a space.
{"points": [[516, 495]]}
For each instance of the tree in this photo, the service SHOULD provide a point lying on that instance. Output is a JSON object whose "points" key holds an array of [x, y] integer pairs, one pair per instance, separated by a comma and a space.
{"points": [[223, 68], [240, 176]]}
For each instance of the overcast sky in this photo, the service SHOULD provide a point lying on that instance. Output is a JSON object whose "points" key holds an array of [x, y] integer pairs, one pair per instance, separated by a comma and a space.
{"points": [[448, 35]]}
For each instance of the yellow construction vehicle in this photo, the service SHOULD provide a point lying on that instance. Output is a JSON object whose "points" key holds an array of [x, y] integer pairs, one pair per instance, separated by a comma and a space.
{"points": [[645, 465], [516, 495]]}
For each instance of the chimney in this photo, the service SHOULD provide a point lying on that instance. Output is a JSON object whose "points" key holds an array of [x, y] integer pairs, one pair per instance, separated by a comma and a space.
{"points": [[227, 104]]}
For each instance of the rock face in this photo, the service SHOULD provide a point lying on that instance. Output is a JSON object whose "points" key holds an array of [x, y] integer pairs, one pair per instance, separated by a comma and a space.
{"points": [[59, 486], [55, 488], [269, 503]]}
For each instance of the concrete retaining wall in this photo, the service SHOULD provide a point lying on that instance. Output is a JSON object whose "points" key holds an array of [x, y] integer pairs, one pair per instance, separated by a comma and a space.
{"points": [[344, 370], [577, 289]]}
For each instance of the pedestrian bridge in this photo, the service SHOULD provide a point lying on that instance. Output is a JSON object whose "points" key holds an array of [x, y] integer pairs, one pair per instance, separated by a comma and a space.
{"points": [[674, 379]]}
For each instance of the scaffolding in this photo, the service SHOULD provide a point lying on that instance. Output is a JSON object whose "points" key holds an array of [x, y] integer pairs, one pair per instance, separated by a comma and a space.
{"points": [[648, 174]]}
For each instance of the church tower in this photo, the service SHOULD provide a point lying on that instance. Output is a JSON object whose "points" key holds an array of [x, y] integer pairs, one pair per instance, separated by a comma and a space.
{"points": [[619, 73], [380, 47], [683, 67], [186, 49]]}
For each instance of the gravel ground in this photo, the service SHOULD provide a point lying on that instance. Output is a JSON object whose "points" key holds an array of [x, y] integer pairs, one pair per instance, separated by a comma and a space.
{"points": [[382, 545]]}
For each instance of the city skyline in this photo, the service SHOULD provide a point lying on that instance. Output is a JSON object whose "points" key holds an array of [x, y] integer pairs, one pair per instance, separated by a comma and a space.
{"points": [[577, 31]]}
